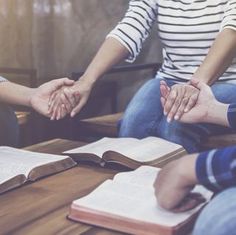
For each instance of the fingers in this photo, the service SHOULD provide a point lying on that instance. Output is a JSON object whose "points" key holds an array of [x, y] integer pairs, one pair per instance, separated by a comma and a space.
{"points": [[191, 201], [62, 103], [191, 103], [181, 108], [165, 90], [72, 97], [77, 108], [181, 99], [174, 108], [170, 101]]}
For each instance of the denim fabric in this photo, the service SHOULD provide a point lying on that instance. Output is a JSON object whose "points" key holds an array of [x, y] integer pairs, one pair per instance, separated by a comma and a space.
{"points": [[144, 117], [219, 216], [9, 129]]}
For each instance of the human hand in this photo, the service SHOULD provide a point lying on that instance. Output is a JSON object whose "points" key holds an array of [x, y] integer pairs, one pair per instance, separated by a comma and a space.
{"points": [[174, 183], [180, 99], [200, 112], [41, 96], [69, 100]]}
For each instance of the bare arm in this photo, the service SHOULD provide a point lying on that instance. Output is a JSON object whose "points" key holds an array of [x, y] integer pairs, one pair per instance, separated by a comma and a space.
{"points": [[216, 62], [110, 53], [219, 58], [123, 42], [37, 98], [15, 94]]}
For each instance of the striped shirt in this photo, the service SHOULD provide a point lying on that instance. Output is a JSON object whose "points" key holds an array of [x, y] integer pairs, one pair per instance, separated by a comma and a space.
{"points": [[186, 28], [216, 169]]}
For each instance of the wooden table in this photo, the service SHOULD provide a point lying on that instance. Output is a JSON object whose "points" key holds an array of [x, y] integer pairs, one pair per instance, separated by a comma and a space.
{"points": [[41, 207]]}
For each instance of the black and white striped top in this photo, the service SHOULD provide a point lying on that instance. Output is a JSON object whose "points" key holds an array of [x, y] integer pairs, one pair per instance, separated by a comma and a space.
{"points": [[187, 29]]}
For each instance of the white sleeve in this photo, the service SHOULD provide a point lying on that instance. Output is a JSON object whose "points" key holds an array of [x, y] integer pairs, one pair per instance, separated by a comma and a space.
{"points": [[229, 20], [136, 25], [2, 79]]}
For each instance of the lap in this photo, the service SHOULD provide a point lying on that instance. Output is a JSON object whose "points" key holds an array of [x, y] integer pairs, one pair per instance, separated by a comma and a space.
{"points": [[218, 217], [144, 117]]}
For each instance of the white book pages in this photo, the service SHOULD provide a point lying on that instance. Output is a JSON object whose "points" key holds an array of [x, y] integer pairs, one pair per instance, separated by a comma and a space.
{"points": [[143, 150], [14, 162], [128, 196]]}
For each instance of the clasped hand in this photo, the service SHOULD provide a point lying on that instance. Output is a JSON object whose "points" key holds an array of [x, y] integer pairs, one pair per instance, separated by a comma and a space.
{"points": [[68, 100], [178, 100]]}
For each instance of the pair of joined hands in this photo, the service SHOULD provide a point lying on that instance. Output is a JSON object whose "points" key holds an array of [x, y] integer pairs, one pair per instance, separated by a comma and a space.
{"points": [[189, 103], [176, 180], [57, 98]]}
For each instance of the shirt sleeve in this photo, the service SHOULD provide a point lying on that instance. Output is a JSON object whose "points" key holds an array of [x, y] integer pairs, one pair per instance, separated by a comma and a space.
{"points": [[231, 115], [229, 20], [2, 79], [136, 25], [216, 169]]}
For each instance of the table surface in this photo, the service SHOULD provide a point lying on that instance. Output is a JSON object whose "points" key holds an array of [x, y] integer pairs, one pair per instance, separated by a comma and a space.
{"points": [[41, 207]]}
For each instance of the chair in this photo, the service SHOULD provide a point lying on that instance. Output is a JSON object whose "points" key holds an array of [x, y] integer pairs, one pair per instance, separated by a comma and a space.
{"points": [[106, 125]]}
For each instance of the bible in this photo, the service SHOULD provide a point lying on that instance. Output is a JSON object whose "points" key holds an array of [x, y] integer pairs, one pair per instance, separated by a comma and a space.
{"points": [[129, 152], [18, 166], [128, 204]]}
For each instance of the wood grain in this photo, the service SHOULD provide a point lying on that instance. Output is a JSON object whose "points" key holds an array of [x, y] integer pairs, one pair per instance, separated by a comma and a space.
{"points": [[41, 207]]}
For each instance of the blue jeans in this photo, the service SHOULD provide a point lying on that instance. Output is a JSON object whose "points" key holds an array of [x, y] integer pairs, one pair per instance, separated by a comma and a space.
{"points": [[144, 117], [219, 216], [9, 129]]}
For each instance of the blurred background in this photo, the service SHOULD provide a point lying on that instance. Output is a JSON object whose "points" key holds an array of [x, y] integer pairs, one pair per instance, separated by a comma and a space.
{"points": [[57, 37]]}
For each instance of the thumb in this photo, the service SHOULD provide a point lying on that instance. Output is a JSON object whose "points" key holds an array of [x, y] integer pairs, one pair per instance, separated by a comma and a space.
{"points": [[58, 83], [77, 108]]}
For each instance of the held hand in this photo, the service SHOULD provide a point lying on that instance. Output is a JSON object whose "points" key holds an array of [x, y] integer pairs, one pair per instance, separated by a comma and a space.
{"points": [[174, 184], [41, 96], [181, 99], [69, 100], [205, 103], [62, 102]]}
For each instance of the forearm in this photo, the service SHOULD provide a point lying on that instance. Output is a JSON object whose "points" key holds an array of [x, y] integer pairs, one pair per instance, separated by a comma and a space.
{"points": [[219, 57], [218, 114], [15, 94], [110, 53], [215, 169]]}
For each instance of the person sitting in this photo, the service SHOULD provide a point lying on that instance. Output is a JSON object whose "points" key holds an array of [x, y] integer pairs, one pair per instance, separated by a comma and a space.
{"points": [[198, 39], [214, 169], [37, 98]]}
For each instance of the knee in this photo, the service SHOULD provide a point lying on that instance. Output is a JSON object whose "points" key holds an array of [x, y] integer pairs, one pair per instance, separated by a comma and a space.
{"points": [[132, 125], [9, 126], [218, 217]]}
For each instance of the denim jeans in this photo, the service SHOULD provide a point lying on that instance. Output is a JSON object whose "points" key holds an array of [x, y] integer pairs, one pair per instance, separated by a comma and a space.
{"points": [[144, 117], [9, 129], [219, 216]]}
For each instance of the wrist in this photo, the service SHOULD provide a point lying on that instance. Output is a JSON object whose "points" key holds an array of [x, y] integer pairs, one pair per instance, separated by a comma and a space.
{"points": [[187, 170], [88, 80], [29, 97], [217, 113]]}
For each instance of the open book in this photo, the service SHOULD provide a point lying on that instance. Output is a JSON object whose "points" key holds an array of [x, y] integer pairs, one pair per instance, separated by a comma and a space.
{"points": [[129, 152], [18, 166], [128, 204]]}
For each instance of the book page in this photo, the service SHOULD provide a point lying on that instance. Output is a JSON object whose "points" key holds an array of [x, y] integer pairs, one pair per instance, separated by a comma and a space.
{"points": [[147, 149], [134, 201], [16, 161]]}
